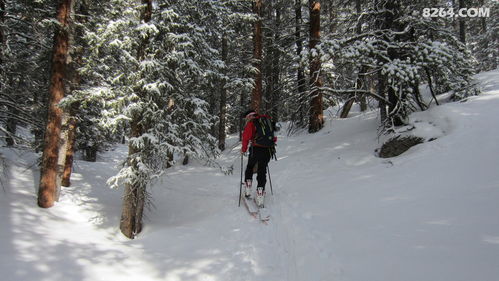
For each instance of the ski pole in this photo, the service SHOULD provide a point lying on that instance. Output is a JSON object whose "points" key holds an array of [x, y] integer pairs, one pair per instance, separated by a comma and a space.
{"points": [[270, 180], [241, 181]]}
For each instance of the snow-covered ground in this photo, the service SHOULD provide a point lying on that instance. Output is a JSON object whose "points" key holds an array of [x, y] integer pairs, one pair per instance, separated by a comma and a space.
{"points": [[338, 211]]}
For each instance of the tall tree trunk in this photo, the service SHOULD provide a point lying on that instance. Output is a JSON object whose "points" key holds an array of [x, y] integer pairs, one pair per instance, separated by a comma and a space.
{"points": [[395, 96], [2, 32], [11, 126], [483, 20], [316, 117], [269, 49], [76, 54], [276, 66], [242, 104], [256, 95], [381, 92], [135, 193], [61, 158], [68, 165], [300, 72], [361, 82], [223, 98], [462, 23], [47, 189]]}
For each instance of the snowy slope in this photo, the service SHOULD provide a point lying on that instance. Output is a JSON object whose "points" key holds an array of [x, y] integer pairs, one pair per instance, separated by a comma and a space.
{"points": [[338, 211]]}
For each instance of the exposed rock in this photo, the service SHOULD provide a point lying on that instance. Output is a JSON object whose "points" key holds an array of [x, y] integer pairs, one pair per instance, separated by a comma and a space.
{"points": [[398, 145]]}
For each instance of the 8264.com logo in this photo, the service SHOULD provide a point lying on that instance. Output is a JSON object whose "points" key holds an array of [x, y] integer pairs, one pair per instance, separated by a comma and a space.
{"points": [[455, 13]]}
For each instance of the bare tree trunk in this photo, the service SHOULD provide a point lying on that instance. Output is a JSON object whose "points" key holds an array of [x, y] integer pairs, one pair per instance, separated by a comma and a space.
{"points": [[223, 99], [134, 195], [381, 92], [316, 117], [462, 24], [430, 84], [276, 66], [256, 95], [76, 59], [269, 56], [11, 126], [242, 103], [135, 192], [61, 158], [2, 26], [68, 165], [47, 189], [361, 79], [300, 75]]}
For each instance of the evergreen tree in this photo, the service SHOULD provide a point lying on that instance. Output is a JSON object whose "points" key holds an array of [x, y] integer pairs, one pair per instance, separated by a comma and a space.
{"points": [[155, 75], [484, 38], [403, 49], [26, 33]]}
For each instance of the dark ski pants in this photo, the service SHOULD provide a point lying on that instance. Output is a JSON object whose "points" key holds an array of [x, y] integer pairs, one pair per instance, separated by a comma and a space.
{"points": [[260, 156]]}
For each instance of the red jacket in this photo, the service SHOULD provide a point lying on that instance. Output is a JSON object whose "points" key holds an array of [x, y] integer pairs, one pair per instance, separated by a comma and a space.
{"points": [[249, 134]]}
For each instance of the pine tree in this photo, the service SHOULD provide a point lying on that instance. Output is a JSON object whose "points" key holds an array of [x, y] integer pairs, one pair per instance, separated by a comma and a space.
{"points": [[26, 31], [484, 38], [402, 49], [162, 97]]}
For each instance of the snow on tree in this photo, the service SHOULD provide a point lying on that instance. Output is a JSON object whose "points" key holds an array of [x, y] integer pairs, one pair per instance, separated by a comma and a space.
{"points": [[153, 74], [403, 49]]}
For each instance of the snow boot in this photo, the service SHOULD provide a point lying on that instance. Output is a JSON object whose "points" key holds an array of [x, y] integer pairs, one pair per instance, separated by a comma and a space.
{"points": [[247, 188], [260, 196]]}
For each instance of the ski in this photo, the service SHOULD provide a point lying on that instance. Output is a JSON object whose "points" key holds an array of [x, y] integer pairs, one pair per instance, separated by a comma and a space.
{"points": [[261, 214], [251, 206], [264, 214]]}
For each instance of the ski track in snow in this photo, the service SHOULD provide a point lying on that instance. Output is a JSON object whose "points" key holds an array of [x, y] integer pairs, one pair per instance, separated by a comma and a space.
{"points": [[335, 216]]}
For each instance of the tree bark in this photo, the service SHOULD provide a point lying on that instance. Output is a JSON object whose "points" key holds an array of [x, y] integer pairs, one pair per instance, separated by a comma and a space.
{"points": [[2, 26], [300, 72], [80, 16], [462, 24], [134, 195], [47, 189], [268, 49], [61, 158], [381, 92], [135, 192], [223, 98], [316, 117], [256, 95], [276, 66], [11, 126], [68, 165]]}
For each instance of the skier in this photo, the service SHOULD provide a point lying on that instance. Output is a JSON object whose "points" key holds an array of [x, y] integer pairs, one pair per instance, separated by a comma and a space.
{"points": [[259, 131]]}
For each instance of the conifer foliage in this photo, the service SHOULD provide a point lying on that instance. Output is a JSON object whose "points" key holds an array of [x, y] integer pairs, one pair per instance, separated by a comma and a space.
{"points": [[153, 81], [171, 78]]}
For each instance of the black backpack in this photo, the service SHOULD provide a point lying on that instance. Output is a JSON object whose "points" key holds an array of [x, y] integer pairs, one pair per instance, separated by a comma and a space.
{"points": [[264, 131]]}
